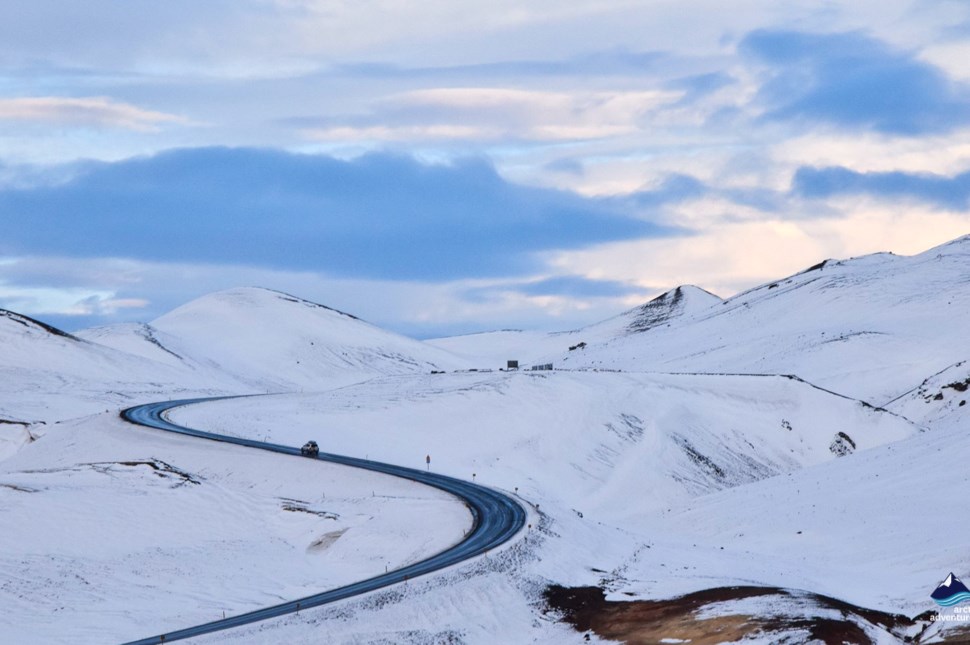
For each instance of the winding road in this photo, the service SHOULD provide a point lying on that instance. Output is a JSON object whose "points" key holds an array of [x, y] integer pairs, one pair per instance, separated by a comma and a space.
{"points": [[496, 518]]}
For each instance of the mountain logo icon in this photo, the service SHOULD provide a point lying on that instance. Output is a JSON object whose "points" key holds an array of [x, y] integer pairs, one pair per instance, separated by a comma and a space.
{"points": [[950, 592]]}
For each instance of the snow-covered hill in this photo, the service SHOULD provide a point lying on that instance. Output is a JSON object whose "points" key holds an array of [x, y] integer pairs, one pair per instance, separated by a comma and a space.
{"points": [[653, 467], [494, 348], [941, 401], [112, 533], [271, 341], [139, 339], [611, 445], [676, 306], [649, 485], [872, 327], [233, 342], [47, 375]]}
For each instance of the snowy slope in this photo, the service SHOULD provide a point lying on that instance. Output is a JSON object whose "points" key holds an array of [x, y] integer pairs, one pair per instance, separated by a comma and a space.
{"points": [[597, 437], [492, 349], [605, 457], [233, 342], [273, 341], [673, 307], [113, 533], [647, 483], [877, 528], [941, 401], [139, 339], [47, 375], [871, 327], [599, 455]]}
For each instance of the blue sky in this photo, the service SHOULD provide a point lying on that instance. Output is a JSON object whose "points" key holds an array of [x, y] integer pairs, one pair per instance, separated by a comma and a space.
{"points": [[453, 166]]}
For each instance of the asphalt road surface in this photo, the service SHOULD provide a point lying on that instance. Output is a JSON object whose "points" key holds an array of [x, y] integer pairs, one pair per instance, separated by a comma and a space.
{"points": [[496, 519]]}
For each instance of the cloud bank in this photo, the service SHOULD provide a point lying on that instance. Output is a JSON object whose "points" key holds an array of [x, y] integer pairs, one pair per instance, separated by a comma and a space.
{"points": [[851, 80], [945, 192], [378, 216]]}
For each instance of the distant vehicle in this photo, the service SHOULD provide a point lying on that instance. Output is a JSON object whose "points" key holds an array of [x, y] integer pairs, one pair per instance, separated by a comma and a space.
{"points": [[310, 449]]}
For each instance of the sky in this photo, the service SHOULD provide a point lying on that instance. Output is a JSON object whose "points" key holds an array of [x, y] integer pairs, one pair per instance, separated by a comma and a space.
{"points": [[446, 167]]}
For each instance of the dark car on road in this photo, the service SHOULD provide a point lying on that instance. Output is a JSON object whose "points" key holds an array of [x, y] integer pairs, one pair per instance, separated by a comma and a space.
{"points": [[310, 449]]}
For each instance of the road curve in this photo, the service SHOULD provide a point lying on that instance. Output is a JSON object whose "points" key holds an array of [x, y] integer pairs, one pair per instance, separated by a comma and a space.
{"points": [[496, 519]]}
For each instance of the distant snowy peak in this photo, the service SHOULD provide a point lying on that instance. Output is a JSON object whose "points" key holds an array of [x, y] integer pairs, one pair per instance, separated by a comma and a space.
{"points": [[682, 301], [272, 340], [250, 313], [24, 325], [249, 299]]}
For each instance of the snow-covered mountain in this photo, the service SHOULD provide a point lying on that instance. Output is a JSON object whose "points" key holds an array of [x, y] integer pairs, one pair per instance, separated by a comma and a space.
{"points": [[644, 479], [872, 327], [673, 307], [233, 342], [272, 341], [47, 374]]}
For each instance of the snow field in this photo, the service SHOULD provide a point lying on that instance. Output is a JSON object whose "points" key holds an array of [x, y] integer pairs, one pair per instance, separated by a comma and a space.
{"points": [[114, 532], [871, 328], [605, 457], [648, 484]]}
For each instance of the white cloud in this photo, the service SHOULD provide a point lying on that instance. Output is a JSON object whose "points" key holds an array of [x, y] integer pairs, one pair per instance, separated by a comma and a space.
{"points": [[870, 152], [490, 114], [439, 31], [95, 111], [622, 132], [97, 305], [386, 133], [729, 257], [34, 301], [950, 56]]}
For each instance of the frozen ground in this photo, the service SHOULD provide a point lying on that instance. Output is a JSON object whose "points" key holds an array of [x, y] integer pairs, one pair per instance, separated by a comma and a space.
{"points": [[112, 532], [588, 440], [625, 466], [645, 477]]}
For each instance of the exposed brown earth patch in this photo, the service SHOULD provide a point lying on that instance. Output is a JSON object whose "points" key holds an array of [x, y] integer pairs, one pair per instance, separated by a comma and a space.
{"points": [[782, 615]]}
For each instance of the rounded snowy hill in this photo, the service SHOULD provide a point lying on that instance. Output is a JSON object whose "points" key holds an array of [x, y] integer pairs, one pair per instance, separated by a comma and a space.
{"points": [[270, 340], [871, 327], [48, 375]]}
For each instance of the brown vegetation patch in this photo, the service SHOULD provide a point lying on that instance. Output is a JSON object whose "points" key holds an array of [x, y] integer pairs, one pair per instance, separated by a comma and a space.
{"points": [[650, 621]]}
